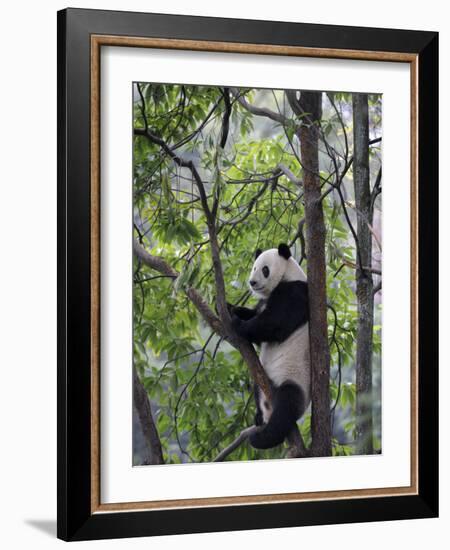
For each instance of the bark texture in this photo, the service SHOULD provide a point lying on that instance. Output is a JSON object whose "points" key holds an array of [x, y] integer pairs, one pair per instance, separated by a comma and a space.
{"points": [[310, 108], [142, 404], [364, 281]]}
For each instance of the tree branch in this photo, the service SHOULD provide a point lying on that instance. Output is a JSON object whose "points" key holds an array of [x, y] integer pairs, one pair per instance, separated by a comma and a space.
{"points": [[258, 111], [376, 190], [290, 175], [300, 235], [341, 122], [367, 268], [377, 288], [243, 436], [247, 351], [159, 264], [226, 118], [183, 163], [297, 447]]}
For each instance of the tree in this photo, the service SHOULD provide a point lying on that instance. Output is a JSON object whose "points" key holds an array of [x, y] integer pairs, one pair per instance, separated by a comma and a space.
{"points": [[308, 108], [218, 173], [363, 274]]}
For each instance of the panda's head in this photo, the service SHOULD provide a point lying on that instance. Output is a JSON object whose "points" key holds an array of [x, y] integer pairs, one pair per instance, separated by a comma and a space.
{"points": [[271, 267]]}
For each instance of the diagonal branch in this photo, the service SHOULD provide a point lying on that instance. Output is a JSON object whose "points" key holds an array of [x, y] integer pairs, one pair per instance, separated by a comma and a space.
{"points": [[376, 190], [159, 264], [243, 436], [296, 449], [258, 111], [367, 268], [210, 220], [290, 175], [247, 351], [179, 161]]}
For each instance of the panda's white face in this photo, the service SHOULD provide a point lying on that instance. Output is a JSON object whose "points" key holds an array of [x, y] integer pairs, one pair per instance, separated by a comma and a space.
{"points": [[267, 272], [269, 269]]}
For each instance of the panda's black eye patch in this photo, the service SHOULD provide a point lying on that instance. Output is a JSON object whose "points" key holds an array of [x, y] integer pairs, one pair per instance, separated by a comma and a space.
{"points": [[265, 271]]}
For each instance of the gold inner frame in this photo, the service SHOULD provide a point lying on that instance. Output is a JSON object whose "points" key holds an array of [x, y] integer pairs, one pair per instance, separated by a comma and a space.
{"points": [[97, 41]]}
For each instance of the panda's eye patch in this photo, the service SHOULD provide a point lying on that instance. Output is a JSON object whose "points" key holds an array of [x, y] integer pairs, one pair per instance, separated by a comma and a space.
{"points": [[265, 271]]}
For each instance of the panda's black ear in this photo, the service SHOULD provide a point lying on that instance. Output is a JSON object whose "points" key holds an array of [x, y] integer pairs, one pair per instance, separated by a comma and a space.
{"points": [[283, 251], [257, 253]]}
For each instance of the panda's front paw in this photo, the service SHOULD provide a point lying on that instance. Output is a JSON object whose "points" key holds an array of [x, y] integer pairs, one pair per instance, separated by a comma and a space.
{"points": [[230, 308]]}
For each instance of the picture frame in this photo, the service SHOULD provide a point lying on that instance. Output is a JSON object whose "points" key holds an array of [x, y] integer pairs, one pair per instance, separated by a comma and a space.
{"points": [[81, 36]]}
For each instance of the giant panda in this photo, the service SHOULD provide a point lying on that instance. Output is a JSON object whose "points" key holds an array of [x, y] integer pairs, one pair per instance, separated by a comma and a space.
{"points": [[279, 324]]}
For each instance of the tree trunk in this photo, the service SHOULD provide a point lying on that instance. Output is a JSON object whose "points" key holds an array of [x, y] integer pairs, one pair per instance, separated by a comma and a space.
{"points": [[142, 404], [364, 282], [310, 104]]}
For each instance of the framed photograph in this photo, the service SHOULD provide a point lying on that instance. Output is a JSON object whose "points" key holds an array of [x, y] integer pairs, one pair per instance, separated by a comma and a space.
{"points": [[247, 251]]}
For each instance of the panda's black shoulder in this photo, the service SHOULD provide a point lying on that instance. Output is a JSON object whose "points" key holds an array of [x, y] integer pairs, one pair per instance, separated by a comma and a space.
{"points": [[291, 290], [290, 299]]}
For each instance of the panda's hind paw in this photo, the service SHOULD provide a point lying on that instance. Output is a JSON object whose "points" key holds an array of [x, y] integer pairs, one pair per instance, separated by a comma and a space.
{"points": [[261, 440]]}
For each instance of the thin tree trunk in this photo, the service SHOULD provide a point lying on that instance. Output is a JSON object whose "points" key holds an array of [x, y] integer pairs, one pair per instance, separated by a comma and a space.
{"points": [[142, 404], [310, 105], [364, 282]]}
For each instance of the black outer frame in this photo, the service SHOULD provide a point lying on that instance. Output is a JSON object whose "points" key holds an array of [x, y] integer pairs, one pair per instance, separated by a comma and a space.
{"points": [[75, 521]]}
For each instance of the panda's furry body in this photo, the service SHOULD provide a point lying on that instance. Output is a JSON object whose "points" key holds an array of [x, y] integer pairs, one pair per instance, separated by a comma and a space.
{"points": [[279, 324]]}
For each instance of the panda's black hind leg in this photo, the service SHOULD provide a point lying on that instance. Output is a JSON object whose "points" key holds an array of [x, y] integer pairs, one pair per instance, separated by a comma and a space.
{"points": [[288, 406], [259, 415]]}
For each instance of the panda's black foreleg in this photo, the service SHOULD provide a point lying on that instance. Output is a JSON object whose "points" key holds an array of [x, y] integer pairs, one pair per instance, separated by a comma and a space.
{"points": [[288, 406], [244, 313]]}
